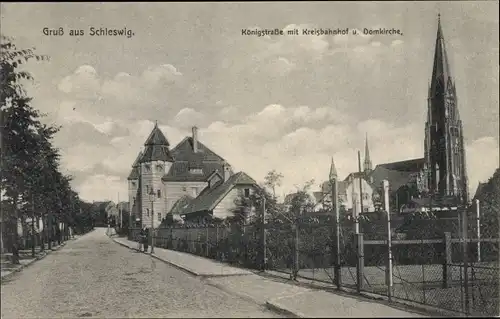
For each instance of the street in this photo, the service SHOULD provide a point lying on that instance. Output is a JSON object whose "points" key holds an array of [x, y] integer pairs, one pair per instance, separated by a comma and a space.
{"points": [[95, 277]]}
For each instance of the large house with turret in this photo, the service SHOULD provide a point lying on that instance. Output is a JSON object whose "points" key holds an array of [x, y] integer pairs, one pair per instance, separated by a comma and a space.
{"points": [[189, 181]]}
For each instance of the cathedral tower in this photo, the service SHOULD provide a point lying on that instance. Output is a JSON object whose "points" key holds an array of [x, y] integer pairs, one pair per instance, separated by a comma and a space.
{"points": [[155, 163], [444, 142], [367, 165]]}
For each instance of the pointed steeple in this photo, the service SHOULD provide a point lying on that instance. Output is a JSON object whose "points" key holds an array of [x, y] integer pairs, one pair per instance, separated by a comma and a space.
{"points": [[156, 147], [443, 143], [441, 81], [156, 137], [333, 171], [368, 162]]}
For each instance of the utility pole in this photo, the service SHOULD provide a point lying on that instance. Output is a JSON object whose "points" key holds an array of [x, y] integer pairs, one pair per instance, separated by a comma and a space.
{"points": [[49, 228], [360, 183], [264, 234], [336, 225], [478, 226], [120, 212], [152, 198], [32, 225]]}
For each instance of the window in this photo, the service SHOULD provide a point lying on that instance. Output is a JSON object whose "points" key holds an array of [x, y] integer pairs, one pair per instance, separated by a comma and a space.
{"points": [[159, 217], [159, 168], [158, 193], [134, 200], [147, 212], [365, 196], [147, 189], [247, 192], [147, 167], [184, 189], [134, 184]]}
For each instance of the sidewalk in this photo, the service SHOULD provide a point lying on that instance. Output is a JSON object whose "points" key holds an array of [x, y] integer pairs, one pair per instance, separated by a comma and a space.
{"points": [[8, 269], [289, 299], [195, 265]]}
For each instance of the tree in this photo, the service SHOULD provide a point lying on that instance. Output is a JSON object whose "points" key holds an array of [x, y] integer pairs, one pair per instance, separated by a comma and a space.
{"points": [[20, 127], [489, 200], [273, 179]]}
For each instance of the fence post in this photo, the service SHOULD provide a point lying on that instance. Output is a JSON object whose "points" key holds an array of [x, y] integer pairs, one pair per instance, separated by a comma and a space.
{"points": [[296, 252], [336, 229], [388, 268], [361, 261], [465, 256], [478, 230], [447, 275], [264, 239], [206, 241]]}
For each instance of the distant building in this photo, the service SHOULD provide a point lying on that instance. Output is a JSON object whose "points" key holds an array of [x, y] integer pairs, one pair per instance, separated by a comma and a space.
{"points": [[406, 181], [189, 181], [106, 211]]}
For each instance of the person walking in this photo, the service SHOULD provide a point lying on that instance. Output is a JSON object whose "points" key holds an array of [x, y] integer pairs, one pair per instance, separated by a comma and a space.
{"points": [[146, 239], [140, 239]]}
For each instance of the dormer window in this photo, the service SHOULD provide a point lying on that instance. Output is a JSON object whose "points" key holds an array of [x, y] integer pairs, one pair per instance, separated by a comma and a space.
{"points": [[197, 171], [147, 167], [159, 168], [134, 184], [246, 192]]}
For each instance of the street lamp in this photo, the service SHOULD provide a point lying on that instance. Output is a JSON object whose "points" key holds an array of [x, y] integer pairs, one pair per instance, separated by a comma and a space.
{"points": [[152, 199]]}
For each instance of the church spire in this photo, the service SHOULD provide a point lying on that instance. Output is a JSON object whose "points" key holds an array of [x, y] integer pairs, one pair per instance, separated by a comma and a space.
{"points": [[441, 81], [443, 144], [333, 171], [368, 162]]}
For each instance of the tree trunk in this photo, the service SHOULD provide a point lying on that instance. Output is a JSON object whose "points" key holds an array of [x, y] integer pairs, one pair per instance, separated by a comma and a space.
{"points": [[14, 240], [41, 233]]}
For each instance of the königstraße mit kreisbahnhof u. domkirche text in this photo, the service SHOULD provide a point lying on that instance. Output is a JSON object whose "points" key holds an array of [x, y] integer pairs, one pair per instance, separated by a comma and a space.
{"points": [[320, 31]]}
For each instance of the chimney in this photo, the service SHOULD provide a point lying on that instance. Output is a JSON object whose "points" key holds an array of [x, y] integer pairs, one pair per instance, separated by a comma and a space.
{"points": [[227, 171], [195, 139]]}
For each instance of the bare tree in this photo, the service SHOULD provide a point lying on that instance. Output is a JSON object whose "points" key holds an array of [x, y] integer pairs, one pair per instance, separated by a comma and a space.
{"points": [[273, 179]]}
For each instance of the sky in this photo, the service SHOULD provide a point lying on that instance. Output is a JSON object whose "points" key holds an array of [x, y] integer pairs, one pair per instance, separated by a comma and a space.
{"points": [[289, 103]]}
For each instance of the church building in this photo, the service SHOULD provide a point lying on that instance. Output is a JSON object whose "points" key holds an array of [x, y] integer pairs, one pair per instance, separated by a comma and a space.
{"points": [[185, 181], [439, 179]]}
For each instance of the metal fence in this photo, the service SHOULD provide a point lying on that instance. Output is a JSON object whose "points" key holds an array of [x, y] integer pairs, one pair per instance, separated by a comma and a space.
{"points": [[425, 266]]}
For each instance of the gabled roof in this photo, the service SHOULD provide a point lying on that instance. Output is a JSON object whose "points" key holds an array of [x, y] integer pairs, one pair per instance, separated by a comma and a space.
{"points": [[181, 204], [413, 165], [210, 197], [184, 152], [186, 159], [397, 173]]}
